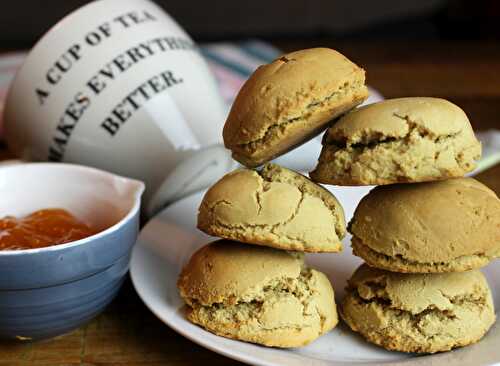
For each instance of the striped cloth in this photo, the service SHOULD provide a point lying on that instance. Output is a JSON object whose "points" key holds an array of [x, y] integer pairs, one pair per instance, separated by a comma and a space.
{"points": [[232, 63]]}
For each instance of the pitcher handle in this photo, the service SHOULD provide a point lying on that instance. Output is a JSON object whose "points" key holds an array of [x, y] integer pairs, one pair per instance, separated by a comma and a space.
{"points": [[191, 175]]}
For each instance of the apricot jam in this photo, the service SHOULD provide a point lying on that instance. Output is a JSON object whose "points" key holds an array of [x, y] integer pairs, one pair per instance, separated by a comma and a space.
{"points": [[42, 228]]}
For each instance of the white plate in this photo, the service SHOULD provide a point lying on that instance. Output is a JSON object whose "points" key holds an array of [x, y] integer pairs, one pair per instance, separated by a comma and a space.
{"points": [[167, 242]]}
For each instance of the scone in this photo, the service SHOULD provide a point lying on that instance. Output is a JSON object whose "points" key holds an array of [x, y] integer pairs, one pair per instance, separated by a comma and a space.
{"points": [[423, 313], [257, 294], [444, 226], [276, 207], [398, 140], [287, 102]]}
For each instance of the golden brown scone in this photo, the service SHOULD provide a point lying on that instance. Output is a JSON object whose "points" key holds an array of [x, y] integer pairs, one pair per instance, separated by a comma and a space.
{"points": [[289, 101], [398, 140], [257, 294], [276, 207], [445, 226], [423, 313]]}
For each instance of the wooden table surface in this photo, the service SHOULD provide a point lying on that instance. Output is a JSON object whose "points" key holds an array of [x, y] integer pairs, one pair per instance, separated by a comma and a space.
{"points": [[128, 334]]}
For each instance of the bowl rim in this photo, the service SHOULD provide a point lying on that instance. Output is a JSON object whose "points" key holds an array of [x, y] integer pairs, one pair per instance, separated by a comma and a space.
{"points": [[139, 190]]}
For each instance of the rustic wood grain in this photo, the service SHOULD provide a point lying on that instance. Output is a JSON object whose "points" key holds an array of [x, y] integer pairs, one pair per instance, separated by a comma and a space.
{"points": [[127, 334]]}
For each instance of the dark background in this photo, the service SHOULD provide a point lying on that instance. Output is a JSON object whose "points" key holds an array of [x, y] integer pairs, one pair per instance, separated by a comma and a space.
{"points": [[22, 22]]}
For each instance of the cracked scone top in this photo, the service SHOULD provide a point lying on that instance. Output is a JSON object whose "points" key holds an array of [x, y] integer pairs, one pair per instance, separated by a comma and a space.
{"points": [[276, 207], [444, 226], [257, 294], [423, 313], [398, 140], [287, 102]]}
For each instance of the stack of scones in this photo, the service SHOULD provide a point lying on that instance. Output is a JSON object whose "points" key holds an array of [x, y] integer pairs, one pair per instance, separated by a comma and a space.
{"points": [[420, 289]]}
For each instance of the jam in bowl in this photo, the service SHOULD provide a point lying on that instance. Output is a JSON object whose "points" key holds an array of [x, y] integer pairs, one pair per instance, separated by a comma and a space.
{"points": [[47, 290], [42, 228]]}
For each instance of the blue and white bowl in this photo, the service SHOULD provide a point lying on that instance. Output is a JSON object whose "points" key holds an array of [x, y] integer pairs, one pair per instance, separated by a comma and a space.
{"points": [[49, 291]]}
